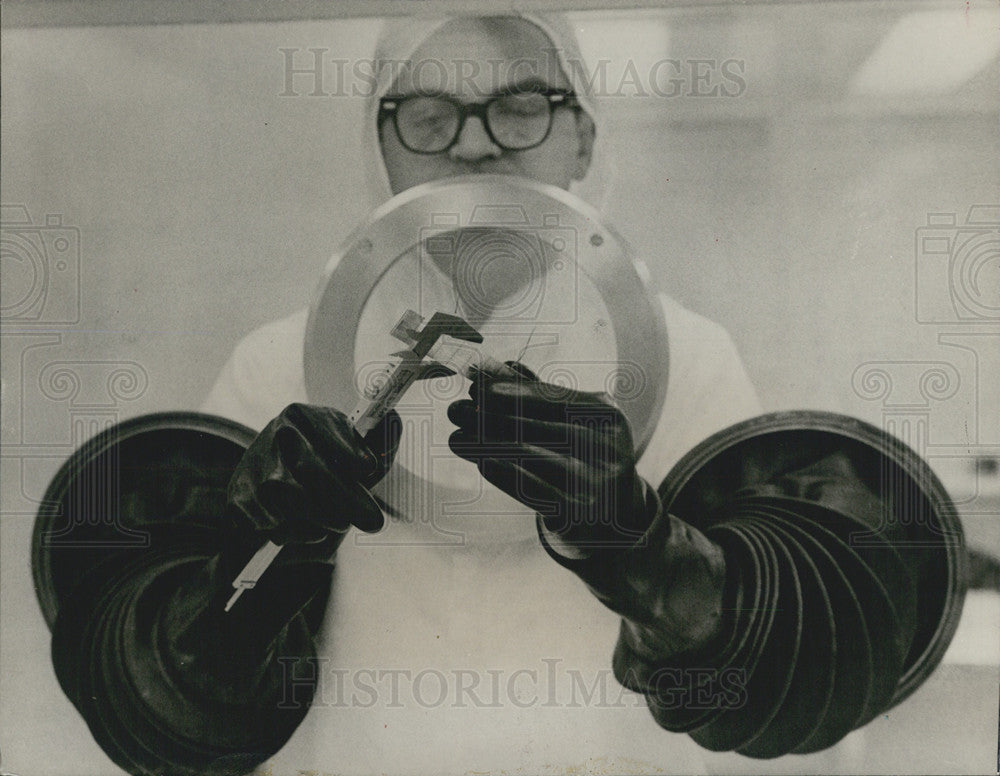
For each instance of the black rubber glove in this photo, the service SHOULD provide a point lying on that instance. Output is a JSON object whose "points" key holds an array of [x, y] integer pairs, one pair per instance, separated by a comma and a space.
{"points": [[569, 455], [566, 454], [306, 475]]}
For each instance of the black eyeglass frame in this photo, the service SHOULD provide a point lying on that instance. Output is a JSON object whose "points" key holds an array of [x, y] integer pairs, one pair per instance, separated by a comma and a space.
{"points": [[389, 106]]}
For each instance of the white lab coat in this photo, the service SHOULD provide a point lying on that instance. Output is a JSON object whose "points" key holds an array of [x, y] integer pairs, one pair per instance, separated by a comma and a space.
{"points": [[452, 642], [445, 655]]}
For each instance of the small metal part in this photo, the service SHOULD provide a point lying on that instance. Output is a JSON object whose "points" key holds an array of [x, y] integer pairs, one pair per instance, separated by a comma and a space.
{"points": [[406, 330], [252, 572]]}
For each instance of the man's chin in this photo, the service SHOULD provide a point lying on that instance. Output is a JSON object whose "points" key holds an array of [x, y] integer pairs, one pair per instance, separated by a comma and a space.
{"points": [[478, 531], [460, 510], [457, 171]]}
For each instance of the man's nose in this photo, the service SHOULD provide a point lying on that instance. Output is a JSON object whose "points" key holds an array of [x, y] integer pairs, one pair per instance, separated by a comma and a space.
{"points": [[474, 143]]}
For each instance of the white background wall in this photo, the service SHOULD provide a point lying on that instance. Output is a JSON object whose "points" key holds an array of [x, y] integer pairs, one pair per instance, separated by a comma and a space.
{"points": [[207, 204]]}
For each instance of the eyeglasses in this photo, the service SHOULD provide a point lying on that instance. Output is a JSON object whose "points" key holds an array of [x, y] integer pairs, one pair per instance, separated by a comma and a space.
{"points": [[515, 121]]}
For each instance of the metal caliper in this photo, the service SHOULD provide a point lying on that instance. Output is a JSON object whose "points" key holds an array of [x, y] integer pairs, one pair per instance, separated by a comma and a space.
{"points": [[446, 344]]}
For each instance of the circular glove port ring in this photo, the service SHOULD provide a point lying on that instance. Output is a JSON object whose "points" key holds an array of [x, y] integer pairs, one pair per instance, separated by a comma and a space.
{"points": [[922, 524], [103, 498]]}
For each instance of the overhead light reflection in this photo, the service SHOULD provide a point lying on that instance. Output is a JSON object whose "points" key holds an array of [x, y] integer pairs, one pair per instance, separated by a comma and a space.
{"points": [[930, 52], [624, 56]]}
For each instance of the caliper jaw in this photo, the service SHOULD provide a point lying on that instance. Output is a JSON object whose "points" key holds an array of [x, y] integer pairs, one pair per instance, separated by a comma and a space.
{"points": [[441, 324]]}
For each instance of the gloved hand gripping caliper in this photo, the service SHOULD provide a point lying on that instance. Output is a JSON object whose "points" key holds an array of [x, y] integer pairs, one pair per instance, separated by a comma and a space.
{"points": [[445, 345]]}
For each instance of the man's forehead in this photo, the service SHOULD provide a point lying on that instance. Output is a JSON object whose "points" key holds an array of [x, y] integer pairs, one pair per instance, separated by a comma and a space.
{"points": [[477, 57]]}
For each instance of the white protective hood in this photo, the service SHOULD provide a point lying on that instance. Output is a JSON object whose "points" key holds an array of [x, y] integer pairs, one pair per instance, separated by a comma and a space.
{"points": [[400, 37]]}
